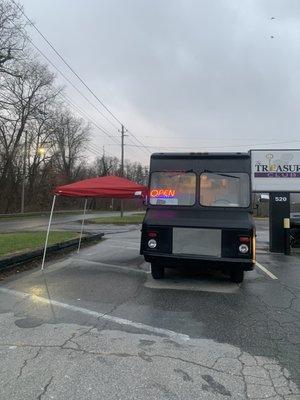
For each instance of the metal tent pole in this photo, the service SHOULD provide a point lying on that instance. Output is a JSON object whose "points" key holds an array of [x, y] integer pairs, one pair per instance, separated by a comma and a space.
{"points": [[24, 174], [82, 225], [48, 231], [122, 165]]}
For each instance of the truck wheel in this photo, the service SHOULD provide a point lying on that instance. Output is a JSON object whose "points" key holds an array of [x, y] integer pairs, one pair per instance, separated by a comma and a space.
{"points": [[237, 275], [157, 271]]}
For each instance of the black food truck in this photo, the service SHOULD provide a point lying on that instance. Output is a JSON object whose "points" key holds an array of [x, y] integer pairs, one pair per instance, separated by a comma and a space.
{"points": [[199, 213]]}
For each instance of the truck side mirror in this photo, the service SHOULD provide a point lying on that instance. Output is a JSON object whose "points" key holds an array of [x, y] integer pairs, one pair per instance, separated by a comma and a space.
{"points": [[139, 194]]}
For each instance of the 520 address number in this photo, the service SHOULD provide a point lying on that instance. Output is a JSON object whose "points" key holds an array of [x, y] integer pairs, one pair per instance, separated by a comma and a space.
{"points": [[280, 198]]}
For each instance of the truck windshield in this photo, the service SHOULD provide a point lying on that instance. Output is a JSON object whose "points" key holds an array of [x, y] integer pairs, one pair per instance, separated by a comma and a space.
{"points": [[173, 188], [224, 189]]}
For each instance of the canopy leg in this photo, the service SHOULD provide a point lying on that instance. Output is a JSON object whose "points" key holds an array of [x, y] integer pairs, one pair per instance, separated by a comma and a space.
{"points": [[48, 231], [122, 208], [82, 225]]}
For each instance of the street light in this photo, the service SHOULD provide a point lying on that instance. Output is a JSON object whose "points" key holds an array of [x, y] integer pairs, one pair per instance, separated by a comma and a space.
{"points": [[41, 151]]}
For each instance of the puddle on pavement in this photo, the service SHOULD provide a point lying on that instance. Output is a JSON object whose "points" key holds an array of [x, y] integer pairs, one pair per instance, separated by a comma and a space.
{"points": [[29, 322]]}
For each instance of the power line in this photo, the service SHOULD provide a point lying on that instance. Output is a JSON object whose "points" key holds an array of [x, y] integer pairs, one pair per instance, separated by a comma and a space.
{"points": [[92, 151], [70, 82], [211, 140], [96, 149], [137, 140], [114, 138], [86, 115], [91, 119], [69, 101], [65, 97], [75, 73], [216, 147], [62, 74], [95, 152], [80, 110], [141, 147], [66, 63]]}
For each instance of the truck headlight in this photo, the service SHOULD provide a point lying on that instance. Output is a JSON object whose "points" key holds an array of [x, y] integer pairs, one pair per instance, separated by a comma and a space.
{"points": [[243, 248], [152, 243]]}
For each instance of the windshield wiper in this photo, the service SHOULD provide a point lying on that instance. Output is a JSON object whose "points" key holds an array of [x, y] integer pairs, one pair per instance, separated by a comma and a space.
{"points": [[221, 174]]}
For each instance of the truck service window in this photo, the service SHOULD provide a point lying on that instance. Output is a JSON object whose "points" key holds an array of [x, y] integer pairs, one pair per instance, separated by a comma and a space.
{"points": [[224, 189], [173, 188]]}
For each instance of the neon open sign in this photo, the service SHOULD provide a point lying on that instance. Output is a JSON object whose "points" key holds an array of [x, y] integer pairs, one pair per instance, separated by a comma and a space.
{"points": [[162, 193]]}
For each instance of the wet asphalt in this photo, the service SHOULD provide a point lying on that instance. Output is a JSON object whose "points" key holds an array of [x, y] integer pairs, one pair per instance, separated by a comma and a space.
{"points": [[95, 325]]}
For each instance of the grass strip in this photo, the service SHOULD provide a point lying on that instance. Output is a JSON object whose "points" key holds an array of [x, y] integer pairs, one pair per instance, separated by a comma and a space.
{"points": [[117, 220], [12, 243]]}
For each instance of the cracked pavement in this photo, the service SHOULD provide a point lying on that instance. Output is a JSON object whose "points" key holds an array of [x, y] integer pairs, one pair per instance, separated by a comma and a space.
{"points": [[96, 326]]}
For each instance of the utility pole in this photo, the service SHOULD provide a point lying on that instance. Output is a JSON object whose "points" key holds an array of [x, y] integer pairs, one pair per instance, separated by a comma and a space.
{"points": [[122, 163], [122, 150], [24, 175]]}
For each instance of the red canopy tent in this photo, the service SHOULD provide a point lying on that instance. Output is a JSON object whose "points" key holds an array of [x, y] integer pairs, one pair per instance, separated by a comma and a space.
{"points": [[106, 186]]}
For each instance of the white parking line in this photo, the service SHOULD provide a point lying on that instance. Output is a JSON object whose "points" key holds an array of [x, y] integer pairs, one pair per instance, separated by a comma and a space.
{"points": [[265, 270], [119, 246], [124, 242], [111, 318]]}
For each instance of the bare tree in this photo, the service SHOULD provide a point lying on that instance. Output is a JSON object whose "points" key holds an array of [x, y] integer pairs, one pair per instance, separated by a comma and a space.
{"points": [[12, 36], [40, 146], [69, 136], [21, 99], [136, 172], [106, 165], [31, 113]]}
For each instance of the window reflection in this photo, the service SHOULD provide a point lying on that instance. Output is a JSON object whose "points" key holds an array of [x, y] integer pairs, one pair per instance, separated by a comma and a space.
{"points": [[173, 188], [224, 189]]}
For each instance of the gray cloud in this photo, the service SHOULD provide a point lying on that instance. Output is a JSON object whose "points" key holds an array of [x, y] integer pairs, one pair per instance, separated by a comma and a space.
{"points": [[206, 70]]}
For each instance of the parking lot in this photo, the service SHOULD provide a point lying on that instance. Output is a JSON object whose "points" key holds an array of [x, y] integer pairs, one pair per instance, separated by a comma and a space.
{"points": [[95, 325]]}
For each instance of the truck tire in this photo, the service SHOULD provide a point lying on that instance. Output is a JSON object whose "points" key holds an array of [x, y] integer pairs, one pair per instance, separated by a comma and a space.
{"points": [[237, 275], [157, 271]]}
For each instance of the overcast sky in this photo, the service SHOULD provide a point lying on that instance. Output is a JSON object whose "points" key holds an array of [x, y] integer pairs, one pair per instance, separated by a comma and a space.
{"points": [[183, 75]]}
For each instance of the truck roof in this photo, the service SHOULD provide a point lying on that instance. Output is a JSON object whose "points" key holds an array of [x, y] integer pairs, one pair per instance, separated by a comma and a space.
{"points": [[200, 155]]}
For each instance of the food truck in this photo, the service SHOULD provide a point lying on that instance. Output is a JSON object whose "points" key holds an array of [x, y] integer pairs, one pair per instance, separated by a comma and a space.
{"points": [[199, 213]]}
